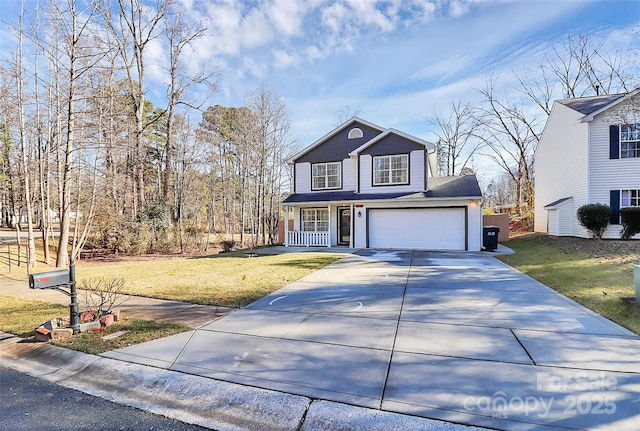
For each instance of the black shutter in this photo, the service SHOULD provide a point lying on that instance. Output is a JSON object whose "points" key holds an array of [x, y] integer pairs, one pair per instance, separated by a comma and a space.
{"points": [[614, 142], [614, 203]]}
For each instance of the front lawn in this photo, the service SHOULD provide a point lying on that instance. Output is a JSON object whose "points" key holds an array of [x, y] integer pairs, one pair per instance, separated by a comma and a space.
{"points": [[597, 274], [21, 316], [228, 279]]}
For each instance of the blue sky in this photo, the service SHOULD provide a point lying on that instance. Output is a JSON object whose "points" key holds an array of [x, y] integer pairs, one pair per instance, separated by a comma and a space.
{"points": [[395, 63]]}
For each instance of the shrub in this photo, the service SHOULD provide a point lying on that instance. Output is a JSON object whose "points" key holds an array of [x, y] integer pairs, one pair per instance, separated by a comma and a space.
{"points": [[630, 222], [227, 245], [595, 218], [102, 295]]}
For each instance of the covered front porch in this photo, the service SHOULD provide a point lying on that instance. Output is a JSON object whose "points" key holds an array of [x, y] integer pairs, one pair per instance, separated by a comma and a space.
{"points": [[328, 225]]}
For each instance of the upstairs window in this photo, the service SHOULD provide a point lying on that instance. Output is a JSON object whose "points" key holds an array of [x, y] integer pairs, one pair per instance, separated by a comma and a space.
{"points": [[355, 133], [315, 220], [630, 141], [326, 176], [391, 170]]}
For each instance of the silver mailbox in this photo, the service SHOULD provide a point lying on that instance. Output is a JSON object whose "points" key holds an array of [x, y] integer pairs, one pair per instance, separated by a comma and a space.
{"points": [[50, 279]]}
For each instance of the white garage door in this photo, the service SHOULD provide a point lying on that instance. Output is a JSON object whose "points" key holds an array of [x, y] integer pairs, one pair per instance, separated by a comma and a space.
{"points": [[419, 228]]}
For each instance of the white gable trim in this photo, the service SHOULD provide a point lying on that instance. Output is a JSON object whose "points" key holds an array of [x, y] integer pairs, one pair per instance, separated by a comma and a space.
{"points": [[335, 131], [426, 144]]}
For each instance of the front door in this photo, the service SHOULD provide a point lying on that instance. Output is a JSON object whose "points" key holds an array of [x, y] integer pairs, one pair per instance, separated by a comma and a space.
{"points": [[344, 226]]}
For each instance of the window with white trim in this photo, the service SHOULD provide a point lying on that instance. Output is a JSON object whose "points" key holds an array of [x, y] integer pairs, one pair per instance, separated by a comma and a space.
{"points": [[629, 141], [391, 170], [630, 198], [326, 176], [315, 220]]}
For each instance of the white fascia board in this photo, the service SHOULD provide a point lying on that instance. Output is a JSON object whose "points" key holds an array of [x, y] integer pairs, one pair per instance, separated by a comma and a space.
{"points": [[338, 129], [426, 144]]}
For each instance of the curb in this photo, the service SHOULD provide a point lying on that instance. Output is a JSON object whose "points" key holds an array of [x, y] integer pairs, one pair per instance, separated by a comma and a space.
{"points": [[202, 401]]}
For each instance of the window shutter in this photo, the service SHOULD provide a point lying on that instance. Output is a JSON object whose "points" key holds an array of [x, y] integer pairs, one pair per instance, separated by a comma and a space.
{"points": [[614, 142], [614, 203]]}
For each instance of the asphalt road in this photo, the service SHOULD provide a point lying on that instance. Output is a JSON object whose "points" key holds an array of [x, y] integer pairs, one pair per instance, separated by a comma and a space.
{"points": [[28, 403]]}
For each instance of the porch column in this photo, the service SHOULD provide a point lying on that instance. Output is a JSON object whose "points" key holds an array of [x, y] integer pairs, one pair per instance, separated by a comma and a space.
{"points": [[286, 226], [330, 223], [352, 227]]}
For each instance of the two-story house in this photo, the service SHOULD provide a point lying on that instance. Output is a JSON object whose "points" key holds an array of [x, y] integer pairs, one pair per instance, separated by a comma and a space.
{"points": [[589, 152], [365, 186]]}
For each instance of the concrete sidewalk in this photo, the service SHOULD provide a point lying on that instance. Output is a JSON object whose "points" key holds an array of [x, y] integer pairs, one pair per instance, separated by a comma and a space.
{"points": [[393, 340], [183, 313]]}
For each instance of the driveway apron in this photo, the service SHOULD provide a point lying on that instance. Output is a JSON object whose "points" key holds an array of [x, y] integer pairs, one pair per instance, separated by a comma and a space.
{"points": [[460, 337]]}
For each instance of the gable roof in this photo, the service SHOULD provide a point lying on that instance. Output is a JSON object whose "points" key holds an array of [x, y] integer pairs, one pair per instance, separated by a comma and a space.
{"points": [[588, 105], [594, 105], [426, 144], [352, 121]]}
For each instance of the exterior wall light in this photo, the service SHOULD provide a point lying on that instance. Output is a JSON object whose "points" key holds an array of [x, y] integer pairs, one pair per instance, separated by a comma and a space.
{"points": [[359, 214]]}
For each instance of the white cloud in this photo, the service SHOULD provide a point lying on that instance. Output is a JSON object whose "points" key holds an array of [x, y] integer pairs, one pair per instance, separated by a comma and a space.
{"points": [[458, 8], [255, 30], [285, 60], [286, 16], [156, 61], [368, 13], [335, 17], [225, 17], [422, 11]]}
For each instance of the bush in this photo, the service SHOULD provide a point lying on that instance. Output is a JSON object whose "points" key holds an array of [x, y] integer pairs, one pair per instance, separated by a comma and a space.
{"points": [[595, 218], [630, 222], [102, 295], [227, 245]]}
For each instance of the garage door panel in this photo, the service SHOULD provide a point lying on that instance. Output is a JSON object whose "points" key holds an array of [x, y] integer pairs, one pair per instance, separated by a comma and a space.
{"points": [[421, 228]]}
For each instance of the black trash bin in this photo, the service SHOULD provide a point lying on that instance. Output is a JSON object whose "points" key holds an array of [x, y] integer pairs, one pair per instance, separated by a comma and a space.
{"points": [[490, 238]]}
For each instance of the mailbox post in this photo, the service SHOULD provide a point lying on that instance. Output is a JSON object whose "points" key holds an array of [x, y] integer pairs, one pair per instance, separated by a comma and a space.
{"points": [[56, 280]]}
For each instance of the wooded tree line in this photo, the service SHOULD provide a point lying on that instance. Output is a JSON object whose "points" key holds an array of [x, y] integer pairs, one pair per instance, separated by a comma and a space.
{"points": [[506, 124], [83, 147]]}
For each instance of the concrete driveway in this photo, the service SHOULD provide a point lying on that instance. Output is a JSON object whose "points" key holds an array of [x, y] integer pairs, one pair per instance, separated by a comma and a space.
{"points": [[460, 337]]}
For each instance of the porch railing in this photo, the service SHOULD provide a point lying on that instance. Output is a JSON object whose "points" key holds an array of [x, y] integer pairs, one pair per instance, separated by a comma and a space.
{"points": [[297, 238]]}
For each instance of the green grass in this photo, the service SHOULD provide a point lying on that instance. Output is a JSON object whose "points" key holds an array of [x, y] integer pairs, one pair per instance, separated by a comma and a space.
{"points": [[22, 316], [595, 274], [230, 280], [137, 331]]}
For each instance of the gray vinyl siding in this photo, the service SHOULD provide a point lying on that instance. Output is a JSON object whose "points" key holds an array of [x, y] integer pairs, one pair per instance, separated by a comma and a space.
{"points": [[338, 146]]}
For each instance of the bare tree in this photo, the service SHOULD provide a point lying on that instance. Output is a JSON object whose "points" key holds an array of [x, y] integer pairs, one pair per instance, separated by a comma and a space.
{"points": [[271, 131], [457, 134], [581, 66], [24, 145], [74, 54], [179, 36], [134, 26], [345, 114], [511, 135]]}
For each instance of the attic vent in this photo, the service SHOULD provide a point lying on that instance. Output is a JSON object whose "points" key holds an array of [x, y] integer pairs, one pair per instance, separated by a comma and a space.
{"points": [[355, 133]]}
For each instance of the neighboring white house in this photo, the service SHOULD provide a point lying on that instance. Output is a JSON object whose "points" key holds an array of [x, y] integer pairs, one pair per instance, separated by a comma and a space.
{"points": [[364, 186], [589, 152]]}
